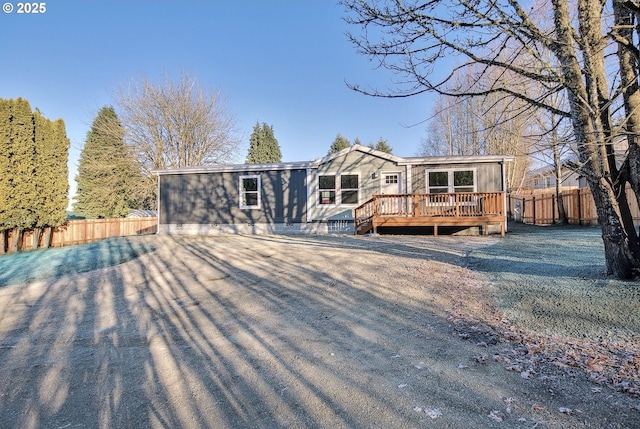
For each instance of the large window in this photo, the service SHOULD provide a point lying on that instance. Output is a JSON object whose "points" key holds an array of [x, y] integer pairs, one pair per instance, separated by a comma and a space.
{"points": [[463, 181], [340, 189], [249, 192], [449, 181], [349, 189], [327, 186]]}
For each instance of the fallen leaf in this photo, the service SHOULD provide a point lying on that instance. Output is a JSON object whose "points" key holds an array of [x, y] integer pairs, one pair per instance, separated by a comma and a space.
{"points": [[434, 413], [481, 359], [496, 416]]}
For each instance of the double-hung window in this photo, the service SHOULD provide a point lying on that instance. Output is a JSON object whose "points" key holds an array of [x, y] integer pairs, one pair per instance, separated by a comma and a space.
{"points": [[349, 189], [338, 189], [327, 187], [450, 181], [249, 192]]}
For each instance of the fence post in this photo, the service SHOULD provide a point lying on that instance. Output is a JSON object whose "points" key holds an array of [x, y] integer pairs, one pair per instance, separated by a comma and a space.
{"points": [[533, 201], [579, 206]]}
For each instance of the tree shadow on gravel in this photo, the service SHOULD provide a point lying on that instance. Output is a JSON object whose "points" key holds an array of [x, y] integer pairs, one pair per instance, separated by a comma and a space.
{"points": [[258, 332]]}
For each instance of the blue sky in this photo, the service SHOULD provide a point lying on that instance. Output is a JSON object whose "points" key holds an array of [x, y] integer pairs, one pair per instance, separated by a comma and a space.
{"points": [[280, 62]]}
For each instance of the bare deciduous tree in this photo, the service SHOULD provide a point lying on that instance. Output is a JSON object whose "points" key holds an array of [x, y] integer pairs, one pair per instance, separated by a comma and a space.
{"points": [[490, 124], [174, 124], [566, 53]]}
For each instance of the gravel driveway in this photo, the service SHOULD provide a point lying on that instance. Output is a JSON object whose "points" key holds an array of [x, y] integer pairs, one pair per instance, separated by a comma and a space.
{"points": [[305, 332]]}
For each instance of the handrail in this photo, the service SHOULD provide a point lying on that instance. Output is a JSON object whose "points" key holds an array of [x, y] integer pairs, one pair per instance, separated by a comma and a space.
{"points": [[449, 205]]}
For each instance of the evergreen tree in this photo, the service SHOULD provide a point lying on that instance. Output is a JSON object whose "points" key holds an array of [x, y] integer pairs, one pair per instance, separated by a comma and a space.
{"points": [[23, 201], [5, 171], [107, 174], [33, 172], [263, 146], [44, 180], [51, 175], [382, 146], [59, 200], [340, 143]]}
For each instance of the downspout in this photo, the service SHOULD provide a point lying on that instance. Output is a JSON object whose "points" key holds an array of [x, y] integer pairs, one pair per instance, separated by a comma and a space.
{"points": [[504, 193], [308, 186], [158, 202]]}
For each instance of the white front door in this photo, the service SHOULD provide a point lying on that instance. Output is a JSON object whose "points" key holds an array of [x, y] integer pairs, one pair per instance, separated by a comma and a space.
{"points": [[391, 183]]}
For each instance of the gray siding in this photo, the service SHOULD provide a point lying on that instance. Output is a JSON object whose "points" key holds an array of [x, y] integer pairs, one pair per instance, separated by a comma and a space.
{"points": [[356, 162], [213, 198], [488, 175]]}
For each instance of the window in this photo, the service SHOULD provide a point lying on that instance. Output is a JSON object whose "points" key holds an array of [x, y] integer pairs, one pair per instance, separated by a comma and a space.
{"points": [[249, 192], [449, 181], [344, 186], [327, 186], [390, 179], [463, 181], [349, 189], [438, 182]]}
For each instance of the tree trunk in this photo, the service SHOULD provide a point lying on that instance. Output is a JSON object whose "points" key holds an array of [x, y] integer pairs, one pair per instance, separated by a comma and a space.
{"points": [[562, 214], [624, 35], [48, 232], [3, 241], [16, 240], [618, 255], [35, 242]]}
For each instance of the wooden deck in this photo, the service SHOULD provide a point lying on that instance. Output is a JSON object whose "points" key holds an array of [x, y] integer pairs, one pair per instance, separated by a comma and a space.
{"points": [[458, 209]]}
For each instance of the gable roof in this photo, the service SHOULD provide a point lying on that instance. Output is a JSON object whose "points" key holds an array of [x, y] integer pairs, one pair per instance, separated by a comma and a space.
{"points": [[455, 159], [356, 148], [276, 166]]}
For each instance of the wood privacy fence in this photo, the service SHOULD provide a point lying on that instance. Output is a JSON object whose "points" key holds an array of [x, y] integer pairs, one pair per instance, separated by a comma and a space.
{"points": [[542, 208], [88, 230]]}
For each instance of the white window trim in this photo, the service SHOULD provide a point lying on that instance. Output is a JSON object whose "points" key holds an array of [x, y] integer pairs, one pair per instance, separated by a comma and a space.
{"points": [[319, 191], [241, 192], [450, 171], [338, 189], [357, 203]]}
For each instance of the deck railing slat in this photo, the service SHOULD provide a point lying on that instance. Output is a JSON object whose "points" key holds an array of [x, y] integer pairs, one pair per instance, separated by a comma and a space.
{"points": [[452, 206]]}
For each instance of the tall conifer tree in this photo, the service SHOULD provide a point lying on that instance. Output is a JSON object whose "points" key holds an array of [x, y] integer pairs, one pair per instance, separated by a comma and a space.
{"points": [[106, 171], [382, 145], [263, 145], [340, 143], [23, 201], [51, 175], [33, 172], [5, 171], [59, 201]]}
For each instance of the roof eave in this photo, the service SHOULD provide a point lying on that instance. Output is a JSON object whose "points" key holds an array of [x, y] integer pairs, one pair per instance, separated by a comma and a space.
{"points": [[234, 168], [456, 159]]}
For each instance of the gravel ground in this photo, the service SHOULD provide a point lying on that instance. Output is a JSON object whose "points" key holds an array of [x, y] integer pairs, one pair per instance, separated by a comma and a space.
{"points": [[551, 280], [320, 332]]}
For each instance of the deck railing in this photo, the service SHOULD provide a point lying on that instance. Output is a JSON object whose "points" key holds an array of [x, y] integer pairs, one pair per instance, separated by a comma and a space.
{"points": [[467, 205]]}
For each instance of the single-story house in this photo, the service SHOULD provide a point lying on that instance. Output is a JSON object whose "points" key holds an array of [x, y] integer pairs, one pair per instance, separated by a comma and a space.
{"points": [[544, 177], [324, 195]]}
